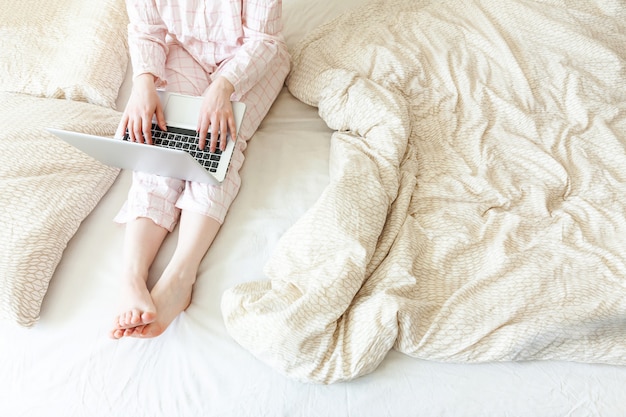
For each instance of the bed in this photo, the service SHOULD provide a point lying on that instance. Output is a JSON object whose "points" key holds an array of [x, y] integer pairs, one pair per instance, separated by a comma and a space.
{"points": [[431, 221]]}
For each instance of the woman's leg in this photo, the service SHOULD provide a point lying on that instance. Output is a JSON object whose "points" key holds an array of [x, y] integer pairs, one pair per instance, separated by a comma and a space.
{"points": [[142, 241], [149, 213], [172, 292]]}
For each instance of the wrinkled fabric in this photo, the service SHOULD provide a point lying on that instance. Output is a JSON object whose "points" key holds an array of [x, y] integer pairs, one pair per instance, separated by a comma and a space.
{"points": [[476, 209]]}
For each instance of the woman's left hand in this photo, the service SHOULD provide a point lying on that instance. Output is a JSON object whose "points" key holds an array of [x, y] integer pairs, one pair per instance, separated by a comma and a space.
{"points": [[216, 114]]}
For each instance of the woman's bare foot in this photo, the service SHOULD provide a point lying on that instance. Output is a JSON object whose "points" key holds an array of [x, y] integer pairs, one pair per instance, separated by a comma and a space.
{"points": [[171, 295], [138, 309]]}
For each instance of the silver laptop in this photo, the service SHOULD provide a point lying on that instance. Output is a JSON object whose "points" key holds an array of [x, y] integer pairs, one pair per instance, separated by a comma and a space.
{"points": [[174, 153]]}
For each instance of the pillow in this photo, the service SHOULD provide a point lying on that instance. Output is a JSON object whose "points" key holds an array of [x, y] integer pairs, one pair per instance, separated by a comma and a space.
{"points": [[302, 16], [47, 188], [73, 49]]}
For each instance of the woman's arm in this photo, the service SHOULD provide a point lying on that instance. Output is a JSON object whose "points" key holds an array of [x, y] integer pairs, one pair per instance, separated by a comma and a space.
{"points": [[146, 39], [262, 42]]}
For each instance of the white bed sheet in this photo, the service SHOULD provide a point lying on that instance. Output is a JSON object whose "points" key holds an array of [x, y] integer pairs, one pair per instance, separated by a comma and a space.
{"points": [[67, 366]]}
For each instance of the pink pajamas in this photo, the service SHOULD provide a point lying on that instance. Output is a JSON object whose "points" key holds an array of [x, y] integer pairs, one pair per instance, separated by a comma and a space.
{"points": [[238, 40]]}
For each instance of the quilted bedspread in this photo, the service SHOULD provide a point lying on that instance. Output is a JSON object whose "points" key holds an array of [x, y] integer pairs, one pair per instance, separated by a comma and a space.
{"points": [[476, 209], [47, 188]]}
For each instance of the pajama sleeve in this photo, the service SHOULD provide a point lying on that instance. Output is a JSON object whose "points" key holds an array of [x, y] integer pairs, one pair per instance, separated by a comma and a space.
{"points": [[146, 39], [262, 42]]}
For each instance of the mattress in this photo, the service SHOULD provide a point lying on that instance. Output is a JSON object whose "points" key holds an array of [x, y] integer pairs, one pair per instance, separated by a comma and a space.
{"points": [[66, 364]]}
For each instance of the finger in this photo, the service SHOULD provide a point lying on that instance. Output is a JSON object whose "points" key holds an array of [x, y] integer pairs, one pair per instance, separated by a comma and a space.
{"points": [[203, 128], [232, 126], [224, 130], [160, 117], [214, 135], [146, 128], [131, 130], [137, 131], [121, 128]]}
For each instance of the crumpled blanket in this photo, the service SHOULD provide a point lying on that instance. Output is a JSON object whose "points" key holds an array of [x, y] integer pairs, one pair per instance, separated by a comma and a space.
{"points": [[476, 209]]}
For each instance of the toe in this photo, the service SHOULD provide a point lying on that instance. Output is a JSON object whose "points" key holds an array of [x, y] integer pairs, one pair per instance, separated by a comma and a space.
{"points": [[126, 319], [136, 331], [135, 317], [148, 317]]}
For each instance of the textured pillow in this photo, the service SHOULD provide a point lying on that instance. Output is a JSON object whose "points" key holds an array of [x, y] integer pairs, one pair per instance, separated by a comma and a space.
{"points": [[46, 189], [302, 16], [74, 49]]}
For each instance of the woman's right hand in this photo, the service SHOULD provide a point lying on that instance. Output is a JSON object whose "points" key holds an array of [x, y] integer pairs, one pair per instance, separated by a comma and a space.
{"points": [[142, 104]]}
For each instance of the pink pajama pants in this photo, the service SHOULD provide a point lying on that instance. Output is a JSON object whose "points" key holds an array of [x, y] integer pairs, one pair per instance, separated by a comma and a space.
{"points": [[161, 199]]}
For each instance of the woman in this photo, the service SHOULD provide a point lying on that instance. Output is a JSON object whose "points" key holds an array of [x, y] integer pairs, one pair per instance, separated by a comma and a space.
{"points": [[221, 50]]}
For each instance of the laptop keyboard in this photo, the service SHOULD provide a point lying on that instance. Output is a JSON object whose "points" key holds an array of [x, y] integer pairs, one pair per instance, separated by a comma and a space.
{"points": [[186, 140]]}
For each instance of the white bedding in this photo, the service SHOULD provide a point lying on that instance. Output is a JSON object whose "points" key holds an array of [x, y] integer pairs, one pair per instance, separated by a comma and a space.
{"points": [[66, 366]]}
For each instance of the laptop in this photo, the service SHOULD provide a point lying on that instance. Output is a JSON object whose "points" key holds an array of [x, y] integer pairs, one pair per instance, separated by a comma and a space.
{"points": [[174, 153]]}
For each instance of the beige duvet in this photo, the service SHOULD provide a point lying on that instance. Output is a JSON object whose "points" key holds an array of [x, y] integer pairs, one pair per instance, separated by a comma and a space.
{"points": [[477, 203]]}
